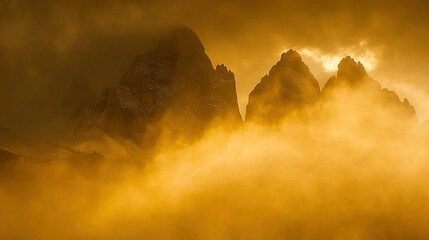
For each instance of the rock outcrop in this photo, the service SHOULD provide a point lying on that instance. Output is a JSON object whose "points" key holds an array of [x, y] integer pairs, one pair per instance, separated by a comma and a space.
{"points": [[355, 85], [172, 91], [351, 75], [289, 86]]}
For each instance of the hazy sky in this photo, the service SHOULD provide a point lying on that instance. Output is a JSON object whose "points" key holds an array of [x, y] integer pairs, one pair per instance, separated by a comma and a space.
{"points": [[54, 53]]}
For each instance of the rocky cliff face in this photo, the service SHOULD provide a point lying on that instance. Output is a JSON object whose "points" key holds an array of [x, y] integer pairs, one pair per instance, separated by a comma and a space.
{"points": [[354, 83], [289, 86], [172, 90]]}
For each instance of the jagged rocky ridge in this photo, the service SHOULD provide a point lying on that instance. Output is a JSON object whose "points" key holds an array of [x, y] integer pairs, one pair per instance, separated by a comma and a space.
{"points": [[290, 87], [353, 76], [172, 91]]}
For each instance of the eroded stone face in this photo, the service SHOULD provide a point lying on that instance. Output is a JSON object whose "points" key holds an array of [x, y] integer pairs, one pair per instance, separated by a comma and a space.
{"points": [[290, 89], [172, 89], [173, 92], [355, 85], [289, 86]]}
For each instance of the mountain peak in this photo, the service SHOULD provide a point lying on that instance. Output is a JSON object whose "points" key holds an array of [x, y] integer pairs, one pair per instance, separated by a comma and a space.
{"points": [[184, 32], [349, 68], [350, 73], [183, 36], [181, 49], [289, 86], [290, 55], [289, 60], [172, 90]]}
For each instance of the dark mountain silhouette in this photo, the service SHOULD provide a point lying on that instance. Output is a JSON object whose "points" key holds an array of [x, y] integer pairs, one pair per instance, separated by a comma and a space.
{"points": [[352, 75], [170, 91], [289, 86]]}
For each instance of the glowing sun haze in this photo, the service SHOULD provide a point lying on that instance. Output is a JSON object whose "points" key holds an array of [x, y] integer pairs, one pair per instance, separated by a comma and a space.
{"points": [[54, 53], [361, 53], [350, 161]]}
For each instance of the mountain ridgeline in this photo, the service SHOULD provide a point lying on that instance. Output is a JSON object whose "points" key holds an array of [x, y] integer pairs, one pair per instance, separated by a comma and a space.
{"points": [[289, 85], [173, 92], [170, 92], [290, 89]]}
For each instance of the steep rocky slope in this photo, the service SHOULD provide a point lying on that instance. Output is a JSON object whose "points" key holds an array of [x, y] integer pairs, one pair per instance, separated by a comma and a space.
{"points": [[170, 92], [353, 82], [289, 86]]}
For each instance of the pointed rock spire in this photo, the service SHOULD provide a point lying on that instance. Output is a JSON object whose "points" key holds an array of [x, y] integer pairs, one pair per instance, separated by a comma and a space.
{"points": [[351, 70], [288, 86], [290, 55], [350, 74], [172, 88], [359, 86]]}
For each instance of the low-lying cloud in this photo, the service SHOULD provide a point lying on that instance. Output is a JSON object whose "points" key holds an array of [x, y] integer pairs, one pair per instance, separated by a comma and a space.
{"points": [[347, 170]]}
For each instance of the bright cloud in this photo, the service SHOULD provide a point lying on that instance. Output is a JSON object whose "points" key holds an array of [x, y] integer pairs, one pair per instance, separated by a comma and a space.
{"points": [[329, 60]]}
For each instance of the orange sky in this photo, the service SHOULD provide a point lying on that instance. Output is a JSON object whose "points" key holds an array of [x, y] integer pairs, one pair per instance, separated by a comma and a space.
{"points": [[53, 54]]}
